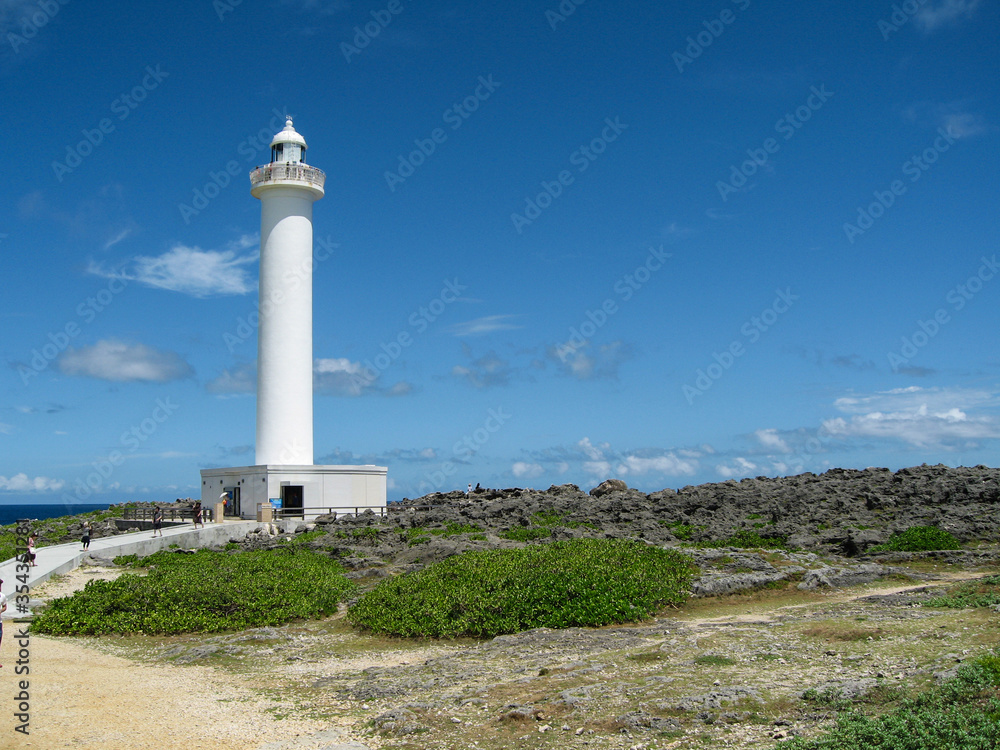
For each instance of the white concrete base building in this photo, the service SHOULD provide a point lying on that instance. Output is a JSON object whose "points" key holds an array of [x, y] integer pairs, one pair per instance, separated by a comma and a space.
{"points": [[284, 474], [300, 491]]}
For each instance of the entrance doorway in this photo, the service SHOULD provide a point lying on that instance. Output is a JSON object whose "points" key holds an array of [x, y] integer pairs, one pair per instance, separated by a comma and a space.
{"points": [[291, 500], [233, 507]]}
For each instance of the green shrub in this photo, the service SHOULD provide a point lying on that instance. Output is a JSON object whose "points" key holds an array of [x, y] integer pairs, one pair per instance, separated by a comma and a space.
{"points": [[579, 582], [984, 592], [208, 591], [918, 539], [125, 559], [526, 533], [962, 714]]}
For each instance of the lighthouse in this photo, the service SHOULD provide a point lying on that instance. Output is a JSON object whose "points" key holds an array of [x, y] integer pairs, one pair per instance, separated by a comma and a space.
{"points": [[284, 476], [286, 188]]}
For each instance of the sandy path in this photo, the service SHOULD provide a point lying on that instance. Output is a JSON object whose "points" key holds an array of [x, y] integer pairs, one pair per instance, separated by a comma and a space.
{"points": [[85, 699], [81, 698]]}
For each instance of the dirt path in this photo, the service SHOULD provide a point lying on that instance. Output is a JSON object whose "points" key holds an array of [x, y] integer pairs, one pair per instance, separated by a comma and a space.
{"points": [[84, 699]]}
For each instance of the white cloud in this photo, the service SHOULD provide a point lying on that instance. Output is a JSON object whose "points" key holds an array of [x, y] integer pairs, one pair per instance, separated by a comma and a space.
{"points": [[666, 464], [524, 470], [592, 452], [597, 468], [21, 483], [191, 270], [935, 15], [742, 468], [339, 376], [241, 379], [602, 361], [114, 360], [919, 416], [771, 440], [6, 429]]}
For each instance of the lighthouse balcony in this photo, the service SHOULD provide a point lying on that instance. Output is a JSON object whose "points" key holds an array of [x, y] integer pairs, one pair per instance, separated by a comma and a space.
{"points": [[288, 174]]}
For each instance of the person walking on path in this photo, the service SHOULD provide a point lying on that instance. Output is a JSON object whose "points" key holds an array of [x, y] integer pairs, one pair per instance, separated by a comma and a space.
{"points": [[197, 515], [30, 555], [157, 521], [86, 535]]}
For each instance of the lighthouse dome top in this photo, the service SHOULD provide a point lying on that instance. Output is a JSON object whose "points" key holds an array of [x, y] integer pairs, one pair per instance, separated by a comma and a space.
{"points": [[288, 135]]}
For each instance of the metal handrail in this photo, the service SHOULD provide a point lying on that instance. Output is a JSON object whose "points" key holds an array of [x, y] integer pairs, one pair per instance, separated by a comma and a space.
{"points": [[380, 511], [169, 514]]}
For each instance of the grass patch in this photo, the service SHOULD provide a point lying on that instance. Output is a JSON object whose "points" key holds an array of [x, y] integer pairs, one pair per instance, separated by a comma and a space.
{"points": [[984, 592], [208, 591], [579, 582], [918, 539], [962, 714]]}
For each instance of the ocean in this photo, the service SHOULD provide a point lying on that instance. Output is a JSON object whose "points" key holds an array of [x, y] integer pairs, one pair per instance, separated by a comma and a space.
{"points": [[10, 513]]}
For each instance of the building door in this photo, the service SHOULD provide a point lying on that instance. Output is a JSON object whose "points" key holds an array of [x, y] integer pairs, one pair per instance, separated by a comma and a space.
{"points": [[291, 500]]}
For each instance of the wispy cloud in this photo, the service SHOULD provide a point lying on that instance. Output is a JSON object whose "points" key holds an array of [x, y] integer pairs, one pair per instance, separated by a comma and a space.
{"points": [[191, 270], [484, 325], [487, 371], [117, 361], [239, 380], [587, 362], [339, 376], [948, 12], [23, 483], [119, 236]]}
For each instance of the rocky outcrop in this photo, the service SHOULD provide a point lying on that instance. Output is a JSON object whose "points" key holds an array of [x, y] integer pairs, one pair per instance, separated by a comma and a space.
{"points": [[843, 512]]}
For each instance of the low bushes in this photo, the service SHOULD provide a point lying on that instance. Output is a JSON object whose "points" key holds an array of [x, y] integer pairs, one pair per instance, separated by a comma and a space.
{"points": [[579, 582], [918, 539], [959, 715], [207, 591]]}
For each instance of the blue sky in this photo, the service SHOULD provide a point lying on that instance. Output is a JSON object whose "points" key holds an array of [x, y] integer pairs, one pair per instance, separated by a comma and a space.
{"points": [[671, 243]]}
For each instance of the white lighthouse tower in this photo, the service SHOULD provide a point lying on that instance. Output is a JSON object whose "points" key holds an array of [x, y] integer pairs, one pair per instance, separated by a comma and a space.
{"points": [[286, 188], [284, 475]]}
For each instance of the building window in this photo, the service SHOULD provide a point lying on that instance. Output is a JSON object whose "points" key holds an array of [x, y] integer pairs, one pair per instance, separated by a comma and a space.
{"points": [[276, 151]]}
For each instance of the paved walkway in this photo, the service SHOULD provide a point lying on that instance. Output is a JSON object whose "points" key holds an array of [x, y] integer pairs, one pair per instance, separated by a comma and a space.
{"points": [[58, 559]]}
